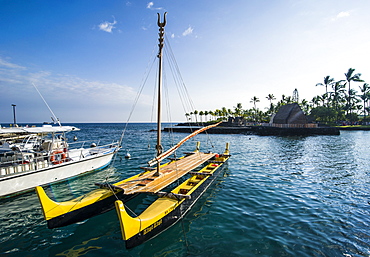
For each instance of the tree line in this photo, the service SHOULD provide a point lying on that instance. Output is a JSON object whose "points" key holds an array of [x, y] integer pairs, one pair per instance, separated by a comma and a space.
{"points": [[340, 103]]}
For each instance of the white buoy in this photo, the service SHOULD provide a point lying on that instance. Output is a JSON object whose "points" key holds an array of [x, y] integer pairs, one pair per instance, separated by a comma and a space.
{"points": [[128, 155]]}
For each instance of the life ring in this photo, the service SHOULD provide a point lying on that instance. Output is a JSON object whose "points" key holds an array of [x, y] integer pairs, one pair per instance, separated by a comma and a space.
{"points": [[54, 157]]}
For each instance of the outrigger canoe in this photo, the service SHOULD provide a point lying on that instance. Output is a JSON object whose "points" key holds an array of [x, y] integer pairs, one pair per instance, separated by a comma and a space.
{"points": [[170, 207], [101, 200]]}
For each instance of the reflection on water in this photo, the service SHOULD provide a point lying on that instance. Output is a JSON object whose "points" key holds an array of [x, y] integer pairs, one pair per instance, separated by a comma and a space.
{"points": [[280, 196], [79, 250]]}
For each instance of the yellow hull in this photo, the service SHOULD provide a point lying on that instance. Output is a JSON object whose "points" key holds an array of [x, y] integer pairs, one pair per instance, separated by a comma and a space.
{"points": [[52, 209], [166, 210], [58, 214]]}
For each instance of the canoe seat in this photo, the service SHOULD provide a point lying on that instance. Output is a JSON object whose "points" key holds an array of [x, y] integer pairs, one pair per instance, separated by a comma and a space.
{"points": [[213, 161], [173, 195], [184, 191], [201, 173]]}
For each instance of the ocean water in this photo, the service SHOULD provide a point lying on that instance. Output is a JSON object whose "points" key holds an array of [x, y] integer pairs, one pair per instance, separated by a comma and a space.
{"points": [[278, 196]]}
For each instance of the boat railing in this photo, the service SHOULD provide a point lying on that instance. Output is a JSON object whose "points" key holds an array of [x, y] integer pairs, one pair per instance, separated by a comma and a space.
{"points": [[90, 143], [22, 162], [78, 153]]}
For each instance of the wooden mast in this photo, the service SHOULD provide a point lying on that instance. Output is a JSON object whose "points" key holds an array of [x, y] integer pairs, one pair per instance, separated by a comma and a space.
{"points": [[160, 45]]}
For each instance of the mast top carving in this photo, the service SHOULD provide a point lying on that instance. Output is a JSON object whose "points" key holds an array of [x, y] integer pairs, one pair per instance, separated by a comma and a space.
{"points": [[161, 24]]}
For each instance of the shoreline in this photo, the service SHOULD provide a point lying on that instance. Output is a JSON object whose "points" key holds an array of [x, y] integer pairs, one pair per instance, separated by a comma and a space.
{"points": [[257, 130]]}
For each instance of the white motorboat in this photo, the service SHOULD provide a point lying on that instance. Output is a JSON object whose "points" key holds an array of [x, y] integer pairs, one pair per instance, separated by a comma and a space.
{"points": [[45, 157]]}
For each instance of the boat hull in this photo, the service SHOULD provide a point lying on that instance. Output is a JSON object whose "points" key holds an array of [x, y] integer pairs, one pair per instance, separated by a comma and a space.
{"points": [[175, 215], [22, 182], [96, 202], [89, 211]]}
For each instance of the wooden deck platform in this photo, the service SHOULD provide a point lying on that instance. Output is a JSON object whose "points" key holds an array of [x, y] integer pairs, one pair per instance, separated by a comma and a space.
{"points": [[150, 183]]}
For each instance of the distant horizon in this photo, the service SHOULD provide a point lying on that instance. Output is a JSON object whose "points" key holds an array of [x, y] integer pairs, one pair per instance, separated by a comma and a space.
{"points": [[102, 122]]}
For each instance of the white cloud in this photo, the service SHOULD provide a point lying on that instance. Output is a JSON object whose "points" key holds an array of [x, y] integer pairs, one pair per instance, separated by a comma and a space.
{"points": [[188, 31], [150, 6], [107, 26], [341, 15], [6, 64], [64, 93], [62, 85]]}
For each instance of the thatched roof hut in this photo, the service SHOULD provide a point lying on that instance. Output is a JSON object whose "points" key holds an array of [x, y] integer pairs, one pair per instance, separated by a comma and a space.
{"points": [[290, 114]]}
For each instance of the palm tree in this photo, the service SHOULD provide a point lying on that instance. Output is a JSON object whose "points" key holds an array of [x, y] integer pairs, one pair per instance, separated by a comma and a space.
{"points": [[224, 112], [282, 101], [325, 97], [327, 82], [246, 114], [254, 100], [229, 112], [206, 115], [211, 113], [217, 113], [351, 77], [258, 115], [271, 97], [337, 95], [305, 106], [238, 110], [353, 101], [365, 90], [316, 100], [288, 100], [187, 116], [201, 113], [196, 116]]}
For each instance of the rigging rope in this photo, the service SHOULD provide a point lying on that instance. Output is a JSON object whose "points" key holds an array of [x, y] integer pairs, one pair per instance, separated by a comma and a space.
{"points": [[137, 97], [56, 119], [183, 92]]}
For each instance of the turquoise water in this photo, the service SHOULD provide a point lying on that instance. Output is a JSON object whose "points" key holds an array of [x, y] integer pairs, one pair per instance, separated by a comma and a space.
{"points": [[278, 196]]}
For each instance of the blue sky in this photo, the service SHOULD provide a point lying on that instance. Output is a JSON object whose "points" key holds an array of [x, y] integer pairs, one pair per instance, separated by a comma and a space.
{"points": [[88, 58]]}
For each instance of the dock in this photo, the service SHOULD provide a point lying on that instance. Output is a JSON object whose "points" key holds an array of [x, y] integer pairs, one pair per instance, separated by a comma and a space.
{"points": [[261, 130]]}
